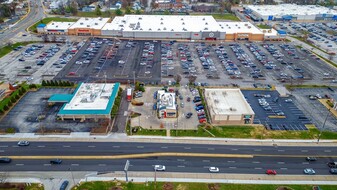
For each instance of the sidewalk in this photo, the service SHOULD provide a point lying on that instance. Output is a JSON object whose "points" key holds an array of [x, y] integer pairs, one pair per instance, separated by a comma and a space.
{"points": [[121, 137]]}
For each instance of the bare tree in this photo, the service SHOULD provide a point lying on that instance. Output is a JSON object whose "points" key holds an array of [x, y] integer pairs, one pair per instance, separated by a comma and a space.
{"points": [[3, 177], [192, 79], [45, 38], [177, 78]]}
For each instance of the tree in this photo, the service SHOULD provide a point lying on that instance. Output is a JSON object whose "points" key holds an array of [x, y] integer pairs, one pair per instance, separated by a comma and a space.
{"points": [[52, 83], [127, 10], [13, 100], [1, 112], [17, 97], [6, 107], [45, 38], [32, 86], [177, 78], [56, 83], [191, 79], [73, 7], [119, 12], [43, 83], [138, 12], [98, 11], [167, 12], [108, 13], [24, 90], [47, 83]]}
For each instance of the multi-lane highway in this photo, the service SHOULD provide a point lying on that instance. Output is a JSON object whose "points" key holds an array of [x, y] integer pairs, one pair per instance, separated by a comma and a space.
{"points": [[100, 156], [36, 13]]}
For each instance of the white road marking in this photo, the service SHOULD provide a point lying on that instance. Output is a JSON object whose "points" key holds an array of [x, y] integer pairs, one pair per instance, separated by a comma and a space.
{"points": [[234, 149], [210, 149], [258, 168], [181, 166], [41, 146], [101, 164], [116, 146], [140, 146], [164, 147], [66, 146], [283, 168], [280, 150], [232, 167], [256, 162], [280, 162], [47, 164], [91, 146], [231, 161], [74, 164], [4, 146], [257, 149], [327, 150], [304, 150], [19, 164], [2, 151], [305, 162], [187, 147], [205, 161], [181, 160]]}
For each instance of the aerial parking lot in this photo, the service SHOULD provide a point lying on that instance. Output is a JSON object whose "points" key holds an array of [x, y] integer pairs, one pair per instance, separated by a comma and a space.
{"points": [[116, 60], [32, 63]]}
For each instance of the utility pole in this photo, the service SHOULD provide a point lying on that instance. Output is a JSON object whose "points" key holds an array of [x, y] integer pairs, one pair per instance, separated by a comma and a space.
{"points": [[326, 118]]}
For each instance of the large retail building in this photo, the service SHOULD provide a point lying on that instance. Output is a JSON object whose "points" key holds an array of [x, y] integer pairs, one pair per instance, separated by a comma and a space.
{"points": [[292, 12]]}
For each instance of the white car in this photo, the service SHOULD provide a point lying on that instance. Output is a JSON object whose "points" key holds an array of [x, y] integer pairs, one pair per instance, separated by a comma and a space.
{"points": [[78, 62], [159, 167], [214, 169]]}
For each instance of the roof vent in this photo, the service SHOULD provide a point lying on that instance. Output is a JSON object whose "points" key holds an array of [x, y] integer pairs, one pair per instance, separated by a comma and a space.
{"points": [[203, 18], [183, 23], [206, 23], [161, 19], [158, 29], [172, 30], [150, 29], [81, 23], [88, 25], [86, 19], [141, 29], [205, 28], [140, 18], [56, 26], [182, 19], [161, 23], [52, 23], [96, 23], [164, 28]]}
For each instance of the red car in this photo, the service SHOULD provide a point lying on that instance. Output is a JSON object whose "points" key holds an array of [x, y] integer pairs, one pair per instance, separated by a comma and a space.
{"points": [[203, 120], [271, 172]]}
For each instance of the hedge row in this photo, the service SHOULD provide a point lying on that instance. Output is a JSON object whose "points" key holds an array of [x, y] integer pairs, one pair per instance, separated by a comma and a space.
{"points": [[8, 102], [117, 102], [57, 83]]}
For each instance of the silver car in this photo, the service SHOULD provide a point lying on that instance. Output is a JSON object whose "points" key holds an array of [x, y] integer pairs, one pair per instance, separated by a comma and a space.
{"points": [[23, 143], [214, 169], [309, 171]]}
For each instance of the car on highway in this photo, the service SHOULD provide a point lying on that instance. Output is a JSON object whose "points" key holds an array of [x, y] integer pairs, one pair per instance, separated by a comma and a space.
{"points": [[213, 169], [333, 170], [64, 185], [159, 168], [5, 160], [23, 143], [56, 161], [332, 164], [309, 171], [271, 172], [311, 158]]}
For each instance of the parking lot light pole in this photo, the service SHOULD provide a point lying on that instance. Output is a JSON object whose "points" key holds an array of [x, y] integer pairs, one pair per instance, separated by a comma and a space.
{"points": [[326, 118]]}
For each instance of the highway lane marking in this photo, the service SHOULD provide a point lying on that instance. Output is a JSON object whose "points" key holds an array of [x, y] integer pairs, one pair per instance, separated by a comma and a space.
{"points": [[2, 151], [305, 162], [234, 149], [101, 164], [231, 161], [140, 146], [4, 146], [187, 148], [257, 149], [283, 168], [181, 166], [19, 164], [327, 150], [210, 148], [258, 168], [91, 146], [15, 146], [205, 160], [304, 150], [74, 164], [232, 167], [47, 164], [255, 162], [280, 162], [66, 146], [181, 160], [280, 150], [163, 147], [41, 146], [116, 146], [140, 155]]}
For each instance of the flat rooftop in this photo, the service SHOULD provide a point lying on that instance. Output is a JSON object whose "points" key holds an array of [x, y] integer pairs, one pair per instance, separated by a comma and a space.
{"points": [[227, 102], [166, 100], [239, 27], [88, 99], [290, 9], [170, 23], [94, 23], [59, 25]]}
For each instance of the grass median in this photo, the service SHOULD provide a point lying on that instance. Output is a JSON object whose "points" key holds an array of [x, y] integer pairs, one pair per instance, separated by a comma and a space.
{"points": [[49, 19], [7, 49], [190, 186], [226, 16]]}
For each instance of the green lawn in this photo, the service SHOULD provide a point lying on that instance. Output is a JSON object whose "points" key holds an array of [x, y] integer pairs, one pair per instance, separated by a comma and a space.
{"points": [[6, 100], [310, 44], [7, 49], [49, 19], [142, 131], [225, 16], [93, 14], [264, 26], [189, 186]]}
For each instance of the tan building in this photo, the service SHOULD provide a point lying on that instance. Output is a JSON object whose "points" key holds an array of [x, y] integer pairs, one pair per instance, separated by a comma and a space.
{"points": [[228, 107], [241, 31], [166, 104], [88, 26]]}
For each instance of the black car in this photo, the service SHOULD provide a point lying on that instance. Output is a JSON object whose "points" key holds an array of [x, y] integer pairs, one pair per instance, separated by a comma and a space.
{"points": [[333, 170], [332, 164], [5, 160], [56, 161], [189, 115], [64, 185]]}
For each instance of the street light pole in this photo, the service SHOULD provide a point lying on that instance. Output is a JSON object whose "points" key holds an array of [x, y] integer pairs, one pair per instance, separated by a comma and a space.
{"points": [[326, 118]]}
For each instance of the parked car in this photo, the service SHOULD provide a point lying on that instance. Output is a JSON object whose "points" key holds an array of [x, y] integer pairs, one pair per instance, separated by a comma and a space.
{"points": [[309, 171], [64, 185], [271, 172], [189, 115]]}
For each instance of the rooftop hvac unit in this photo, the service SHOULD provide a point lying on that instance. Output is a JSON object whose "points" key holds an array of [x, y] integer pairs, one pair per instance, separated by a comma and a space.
{"points": [[203, 18], [69, 24], [88, 25], [164, 28], [216, 101], [140, 18], [141, 29], [86, 19], [232, 109], [221, 27], [264, 31], [172, 30], [246, 24], [205, 28], [96, 23], [183, 23], [81, 23], [161, 19], [158, 29], [236, 24], [56, 26], [161, 23], [239, 27], [150, 29], [269, 31], [124, 21], [52, 23], [206, 23], [249, 26]]}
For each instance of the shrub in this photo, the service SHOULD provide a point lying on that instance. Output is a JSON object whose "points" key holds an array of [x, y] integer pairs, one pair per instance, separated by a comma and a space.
{"points": [[6, 107], [17, 96], [10, 130]]}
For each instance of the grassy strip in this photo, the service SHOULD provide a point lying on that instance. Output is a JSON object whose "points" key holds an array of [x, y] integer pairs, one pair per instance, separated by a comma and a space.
{"points": [[310, 44], [49, 19], [151, 132], [6, 100], [93, 14], [264, 26], [7, 49], [289, 87], [188, 186], [226, 16], [326, 60]]}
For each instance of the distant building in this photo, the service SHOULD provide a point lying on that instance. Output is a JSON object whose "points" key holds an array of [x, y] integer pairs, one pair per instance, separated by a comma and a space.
{"points": [[204, 8], [55, 4], [40, 28], [88, 26], [228, 107], [57, 27], [168, 4], [166, 104]]}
